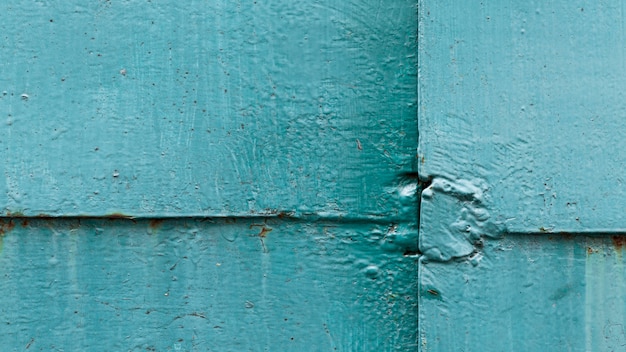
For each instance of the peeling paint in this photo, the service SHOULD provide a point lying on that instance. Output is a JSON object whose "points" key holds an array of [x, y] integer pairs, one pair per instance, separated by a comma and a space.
{"points": [[522, 128]]}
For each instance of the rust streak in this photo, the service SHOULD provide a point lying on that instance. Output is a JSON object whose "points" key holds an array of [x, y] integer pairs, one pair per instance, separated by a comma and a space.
{"points": [[567, 235], [285, 214], [619, 241], [119, 216], [264, 231], [6, 226], [156, 223]]}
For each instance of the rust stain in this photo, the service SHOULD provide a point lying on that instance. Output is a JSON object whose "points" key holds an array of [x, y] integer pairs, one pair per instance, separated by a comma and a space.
{"points": [[24, 223], [156, 223], [619, 241], [590, 250], [112, 216], [6, 227], [264, 232], [119, 216], [16, 214], [264, 229], [566, 235], [285, 214]]}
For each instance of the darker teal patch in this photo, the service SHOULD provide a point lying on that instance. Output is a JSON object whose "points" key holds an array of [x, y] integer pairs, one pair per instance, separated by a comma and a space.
{"points": [[560, 293]]}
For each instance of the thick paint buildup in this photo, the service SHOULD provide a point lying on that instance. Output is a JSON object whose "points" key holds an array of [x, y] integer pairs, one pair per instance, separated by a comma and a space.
{"points": [[521, 110], [454, 219]]}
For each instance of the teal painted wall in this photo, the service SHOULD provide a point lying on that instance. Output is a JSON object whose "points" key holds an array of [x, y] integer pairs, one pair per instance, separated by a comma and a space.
{"points": [[521, 119], [262, 155], [225, 107], [193, 285]]}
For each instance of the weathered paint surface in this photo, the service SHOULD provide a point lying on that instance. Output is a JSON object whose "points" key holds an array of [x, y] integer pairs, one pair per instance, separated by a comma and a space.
{"points": [[208, 175], [528, 293], [521, 112], [526, 98], [218, 108], [212, 285]]}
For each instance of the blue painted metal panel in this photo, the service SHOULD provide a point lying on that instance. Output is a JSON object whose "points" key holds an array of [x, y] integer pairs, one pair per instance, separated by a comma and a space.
{"points": [[523, 99], [521, 224], [191, 285], [226, 108], [261, 153], [529, 293]]}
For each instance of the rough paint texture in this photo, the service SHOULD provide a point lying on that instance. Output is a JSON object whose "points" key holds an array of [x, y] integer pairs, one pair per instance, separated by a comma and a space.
{"points": [[122, 285], [458, 231], [521, 149], [208, 175], [527, 97], [224, 107], [529, 293]]}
